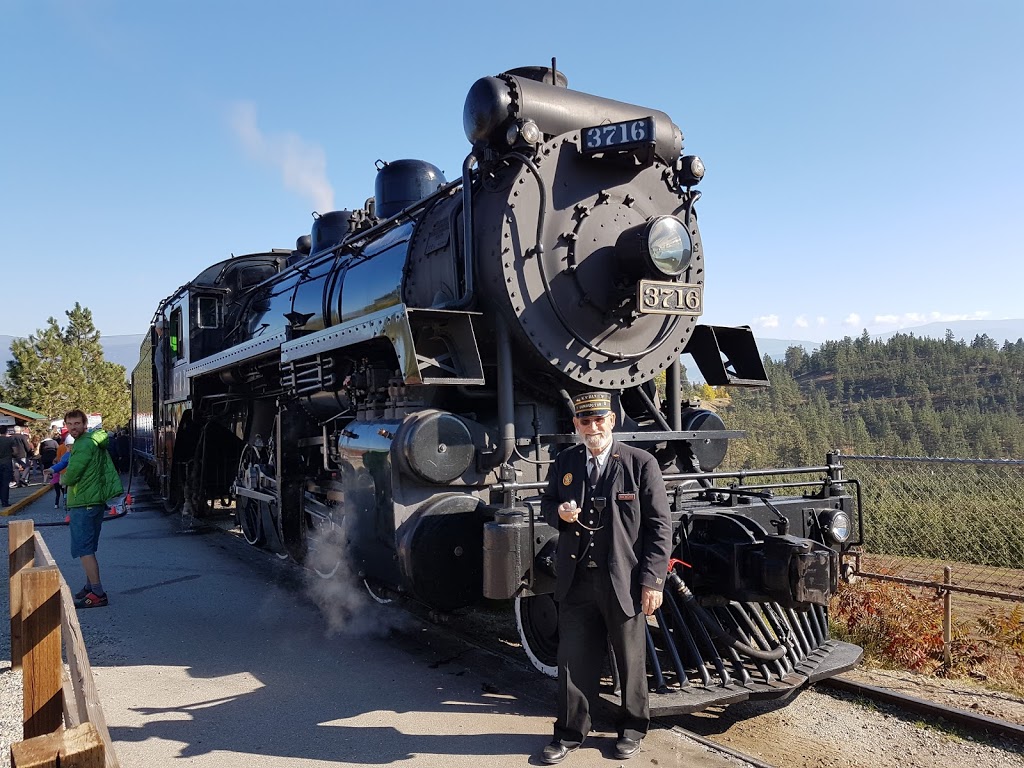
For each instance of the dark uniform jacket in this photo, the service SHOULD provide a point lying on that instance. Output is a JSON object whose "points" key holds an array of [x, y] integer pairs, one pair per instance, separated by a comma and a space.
{"points": [[637, 514]]}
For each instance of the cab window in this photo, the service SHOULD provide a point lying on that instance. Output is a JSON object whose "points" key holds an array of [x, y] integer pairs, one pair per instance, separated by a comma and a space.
{"points": [[175, 340], [207, 312]]}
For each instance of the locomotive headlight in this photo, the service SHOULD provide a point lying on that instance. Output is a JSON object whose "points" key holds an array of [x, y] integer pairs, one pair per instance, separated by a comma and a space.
{"points": [[530, 132], [658, 248], [668, 245], [527, 130], [836, 525]]}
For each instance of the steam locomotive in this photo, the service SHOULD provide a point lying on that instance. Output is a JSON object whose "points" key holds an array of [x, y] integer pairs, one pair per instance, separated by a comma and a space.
{"points": [[399, 382]]}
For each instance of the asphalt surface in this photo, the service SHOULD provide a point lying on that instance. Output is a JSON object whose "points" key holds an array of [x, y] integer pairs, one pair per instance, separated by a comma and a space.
{"points": [[212, 653]]}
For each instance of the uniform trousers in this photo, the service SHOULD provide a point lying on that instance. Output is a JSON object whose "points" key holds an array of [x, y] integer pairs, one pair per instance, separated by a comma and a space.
{"points": [[588, 618]]}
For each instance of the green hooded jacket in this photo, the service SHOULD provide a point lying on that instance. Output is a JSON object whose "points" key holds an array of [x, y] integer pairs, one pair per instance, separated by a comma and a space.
{"points": [[90, 476]]}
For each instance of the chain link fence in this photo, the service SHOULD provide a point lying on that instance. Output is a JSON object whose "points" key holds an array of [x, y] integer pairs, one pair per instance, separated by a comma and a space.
{"points": [[923, 516]]}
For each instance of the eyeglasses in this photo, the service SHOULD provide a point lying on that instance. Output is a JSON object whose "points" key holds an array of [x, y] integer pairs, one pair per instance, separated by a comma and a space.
{"points": [[586, 422]]}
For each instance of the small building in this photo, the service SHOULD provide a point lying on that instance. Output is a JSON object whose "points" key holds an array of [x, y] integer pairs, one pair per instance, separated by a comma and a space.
{"points": [[13, 416]]}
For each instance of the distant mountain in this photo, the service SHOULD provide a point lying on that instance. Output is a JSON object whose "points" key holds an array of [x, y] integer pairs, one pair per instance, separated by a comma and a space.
{"points": [[999, 330], [123, 350]]}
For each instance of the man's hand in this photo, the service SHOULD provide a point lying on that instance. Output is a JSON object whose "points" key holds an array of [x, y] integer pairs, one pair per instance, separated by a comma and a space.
{"points": [[650, 600], [568, 511]]}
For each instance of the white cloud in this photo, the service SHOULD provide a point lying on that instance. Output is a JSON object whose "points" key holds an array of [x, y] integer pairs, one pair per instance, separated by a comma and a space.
{"points": [[303, 164], [821, 320], [852, 319], [801, 322], [767, 321], [911, 319]]}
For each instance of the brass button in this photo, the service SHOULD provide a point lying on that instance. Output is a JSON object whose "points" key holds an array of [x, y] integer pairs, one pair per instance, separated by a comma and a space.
{"points": [[577, 533]]}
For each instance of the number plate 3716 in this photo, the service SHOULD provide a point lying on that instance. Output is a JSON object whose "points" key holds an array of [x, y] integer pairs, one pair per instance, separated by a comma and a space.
{"points": [[664, 298]]}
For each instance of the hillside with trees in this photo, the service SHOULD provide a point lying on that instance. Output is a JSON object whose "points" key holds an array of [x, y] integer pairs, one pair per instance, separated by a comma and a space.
{"points": [[906, 396]]}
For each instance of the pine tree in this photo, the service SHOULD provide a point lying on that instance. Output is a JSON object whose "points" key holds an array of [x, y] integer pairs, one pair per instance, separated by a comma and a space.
{"points": [[56, 370]]}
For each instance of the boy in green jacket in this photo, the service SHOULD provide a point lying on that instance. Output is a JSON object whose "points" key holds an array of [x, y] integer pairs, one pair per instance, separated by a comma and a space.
{"points": [[91, 481]]}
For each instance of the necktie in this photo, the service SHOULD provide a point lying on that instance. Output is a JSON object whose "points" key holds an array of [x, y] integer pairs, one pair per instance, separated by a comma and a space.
{"points": [[595, 473]]}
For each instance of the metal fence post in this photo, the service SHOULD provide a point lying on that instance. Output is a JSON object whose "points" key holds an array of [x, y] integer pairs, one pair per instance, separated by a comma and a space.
{"points": [[947, 618]]}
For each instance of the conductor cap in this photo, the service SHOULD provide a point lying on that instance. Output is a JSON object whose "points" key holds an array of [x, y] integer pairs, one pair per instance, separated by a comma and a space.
{"points": [[592, 404]]}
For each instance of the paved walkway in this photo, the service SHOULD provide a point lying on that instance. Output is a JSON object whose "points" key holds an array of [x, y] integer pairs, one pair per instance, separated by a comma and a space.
{"points": [[213, 654], [21, 497]]}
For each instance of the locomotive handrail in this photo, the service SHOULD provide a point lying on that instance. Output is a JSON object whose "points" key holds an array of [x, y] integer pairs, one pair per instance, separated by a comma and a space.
{"points": [[356, 237], [641, 437], [509, 487], [681, 477]]}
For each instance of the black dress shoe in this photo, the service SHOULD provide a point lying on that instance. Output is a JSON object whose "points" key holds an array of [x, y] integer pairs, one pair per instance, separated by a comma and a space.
{"points": [[626, 747], [556, 752]]}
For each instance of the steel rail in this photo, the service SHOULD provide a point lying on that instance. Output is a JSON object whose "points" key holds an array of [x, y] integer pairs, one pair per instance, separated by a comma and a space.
{"points": [[920, 706], [718, 746]]}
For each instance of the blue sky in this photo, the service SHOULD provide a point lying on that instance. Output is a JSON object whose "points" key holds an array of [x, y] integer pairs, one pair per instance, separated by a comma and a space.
{"points": [[865, 161]]}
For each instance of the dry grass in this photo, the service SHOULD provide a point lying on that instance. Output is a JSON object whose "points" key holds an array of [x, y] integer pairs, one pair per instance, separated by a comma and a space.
{"points": [[901, 628]]}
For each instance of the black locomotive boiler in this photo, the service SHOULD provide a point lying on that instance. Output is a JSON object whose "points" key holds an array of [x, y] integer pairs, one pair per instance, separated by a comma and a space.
{"points": [[401, 380]]}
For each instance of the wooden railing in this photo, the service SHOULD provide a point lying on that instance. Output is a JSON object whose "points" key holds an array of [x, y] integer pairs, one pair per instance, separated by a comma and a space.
{"points": [[62, 717]]}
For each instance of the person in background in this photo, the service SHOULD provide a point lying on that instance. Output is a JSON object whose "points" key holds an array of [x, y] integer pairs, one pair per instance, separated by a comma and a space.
{"points": [[7, 444], [47, 452], [608, 502], [65, 441], [23, 452], [91, 481], [124, 450]]}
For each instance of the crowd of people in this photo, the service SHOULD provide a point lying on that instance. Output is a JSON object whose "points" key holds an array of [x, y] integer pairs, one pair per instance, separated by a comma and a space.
{"points": [[22, 458]]}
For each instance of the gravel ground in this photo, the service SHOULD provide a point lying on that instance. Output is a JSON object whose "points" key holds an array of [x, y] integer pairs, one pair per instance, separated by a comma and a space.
{"points": [[820, 729], [10, 710]]}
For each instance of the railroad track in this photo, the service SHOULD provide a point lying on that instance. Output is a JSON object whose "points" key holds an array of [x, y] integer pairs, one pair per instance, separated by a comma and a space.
{"points": [[961, 717]]}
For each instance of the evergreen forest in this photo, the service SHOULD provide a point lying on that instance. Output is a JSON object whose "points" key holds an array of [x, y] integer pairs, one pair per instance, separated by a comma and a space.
{"points": [[906, 396]]}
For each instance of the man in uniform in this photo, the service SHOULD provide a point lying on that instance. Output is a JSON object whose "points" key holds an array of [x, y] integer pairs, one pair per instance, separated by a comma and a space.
{"points": [[609, 504]]}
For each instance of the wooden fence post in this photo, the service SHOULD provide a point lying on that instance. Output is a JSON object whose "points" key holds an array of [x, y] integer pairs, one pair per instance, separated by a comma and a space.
{"points": [[20, 555], [81, 747], [41, 662]]}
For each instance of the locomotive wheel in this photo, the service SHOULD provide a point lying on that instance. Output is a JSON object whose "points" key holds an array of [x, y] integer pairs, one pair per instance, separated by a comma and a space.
{"points": [[537, 622], [250, 520], [326, 550], [326, 546]]}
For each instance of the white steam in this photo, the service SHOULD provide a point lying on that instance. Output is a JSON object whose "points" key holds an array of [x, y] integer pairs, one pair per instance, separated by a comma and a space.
{"points": [[343, 597], [303, 164]]}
